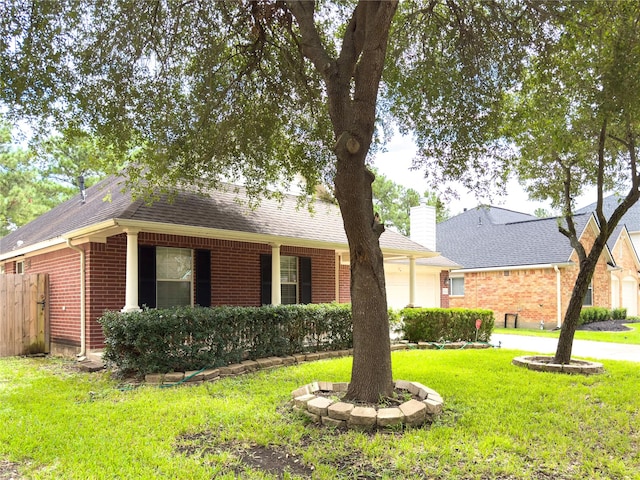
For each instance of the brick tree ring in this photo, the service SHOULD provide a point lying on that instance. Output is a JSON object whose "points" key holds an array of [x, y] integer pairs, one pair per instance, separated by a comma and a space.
{"points": [[320, 401], [542, 363]]}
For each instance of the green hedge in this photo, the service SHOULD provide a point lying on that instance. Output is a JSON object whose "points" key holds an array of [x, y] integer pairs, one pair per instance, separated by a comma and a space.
{"points": [[446, 324], [594, 314], [619, 313], [190, 338]]}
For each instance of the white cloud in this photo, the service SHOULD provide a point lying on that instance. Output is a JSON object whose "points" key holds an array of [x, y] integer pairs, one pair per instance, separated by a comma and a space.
{"points": [[396, 162]]}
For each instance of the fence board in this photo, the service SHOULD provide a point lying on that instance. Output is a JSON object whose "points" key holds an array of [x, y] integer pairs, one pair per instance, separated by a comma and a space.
{"points": [[24, 316]]}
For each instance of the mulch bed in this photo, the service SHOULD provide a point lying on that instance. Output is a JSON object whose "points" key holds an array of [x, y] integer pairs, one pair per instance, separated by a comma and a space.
{"points": [[608, 326]]}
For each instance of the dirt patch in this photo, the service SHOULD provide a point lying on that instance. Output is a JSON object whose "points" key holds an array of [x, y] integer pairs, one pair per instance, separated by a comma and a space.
{"points": [[9, 470], [272, 459], [281, 461], [608, 326]]}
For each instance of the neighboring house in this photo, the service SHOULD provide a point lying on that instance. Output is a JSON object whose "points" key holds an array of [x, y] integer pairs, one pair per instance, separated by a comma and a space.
{"points": [[514, 263], [631, 219], [623, 286], [109, 252]]}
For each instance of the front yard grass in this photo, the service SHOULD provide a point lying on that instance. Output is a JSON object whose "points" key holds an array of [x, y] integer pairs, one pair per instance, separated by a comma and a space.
{"points": [[500, 422], [631, 336]]}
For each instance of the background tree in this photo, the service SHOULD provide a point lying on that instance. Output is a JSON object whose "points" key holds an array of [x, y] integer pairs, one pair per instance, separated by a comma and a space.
{"points": [[24, 194], [62, 158], [36, 177], [542, 213], [257, 91], [393, 203], [576, 124]]}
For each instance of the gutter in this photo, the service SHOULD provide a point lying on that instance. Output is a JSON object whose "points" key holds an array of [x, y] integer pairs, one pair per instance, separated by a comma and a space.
{"points": [[540, 266], [558, 295], [83, 288]]}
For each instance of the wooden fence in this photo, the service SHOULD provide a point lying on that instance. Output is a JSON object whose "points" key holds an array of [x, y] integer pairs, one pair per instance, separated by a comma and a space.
{"points": [[24, 319]]}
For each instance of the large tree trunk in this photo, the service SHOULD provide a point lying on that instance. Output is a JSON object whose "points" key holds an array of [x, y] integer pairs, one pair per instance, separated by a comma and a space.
{"points": [[371, 375], [352, 80], [572, 315]]}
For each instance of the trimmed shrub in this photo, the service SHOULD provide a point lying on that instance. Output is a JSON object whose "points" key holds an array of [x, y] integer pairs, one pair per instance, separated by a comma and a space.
{"points": [[190, 338], [446, 324], [619, 314], [593, 314]]}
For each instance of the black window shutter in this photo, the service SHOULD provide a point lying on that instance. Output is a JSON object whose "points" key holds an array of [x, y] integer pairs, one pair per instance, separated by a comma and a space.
{"points": [[203, 277], [305, 279], [265, 279], [147, 276]]}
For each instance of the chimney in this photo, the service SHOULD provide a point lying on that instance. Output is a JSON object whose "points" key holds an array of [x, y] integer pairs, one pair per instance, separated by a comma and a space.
{"points": [[423, 225]]}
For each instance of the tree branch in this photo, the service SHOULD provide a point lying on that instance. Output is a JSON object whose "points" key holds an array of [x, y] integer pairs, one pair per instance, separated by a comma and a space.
{"points": [[311, 43], [604, 227], [570, 231]]}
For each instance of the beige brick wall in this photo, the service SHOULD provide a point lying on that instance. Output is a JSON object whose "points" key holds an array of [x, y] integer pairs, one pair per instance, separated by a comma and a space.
{"points": [[532, 293]]}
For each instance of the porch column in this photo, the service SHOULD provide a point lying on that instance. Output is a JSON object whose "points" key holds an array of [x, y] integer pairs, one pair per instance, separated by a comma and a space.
{"points": [[412, 282], [131, 291], [276, 297]]}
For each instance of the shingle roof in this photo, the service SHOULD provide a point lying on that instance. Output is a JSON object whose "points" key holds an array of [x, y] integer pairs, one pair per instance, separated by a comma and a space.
{"points": [[631, 219], [475, 241], [222, 210]]}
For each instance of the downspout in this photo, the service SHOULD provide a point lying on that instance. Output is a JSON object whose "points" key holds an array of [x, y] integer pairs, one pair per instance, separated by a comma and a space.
{"points": [[558, 296], [83, 316]]}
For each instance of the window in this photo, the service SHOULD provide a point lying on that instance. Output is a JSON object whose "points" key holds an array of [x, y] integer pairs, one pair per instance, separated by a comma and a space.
{"points": [[20, 267], [587, 301], [295, 279], [2, 269], [174, 268], [289, 280], [456, 286], [169, 277]]}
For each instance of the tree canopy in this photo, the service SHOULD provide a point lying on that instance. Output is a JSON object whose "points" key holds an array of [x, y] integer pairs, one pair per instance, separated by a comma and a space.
{"points": [[259, 91], [36, 176], [576, 120]]}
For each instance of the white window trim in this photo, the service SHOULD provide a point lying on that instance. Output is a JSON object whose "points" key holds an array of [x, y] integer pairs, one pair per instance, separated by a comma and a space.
{"points": [[451, 290], [177, 280], [283, 282]]}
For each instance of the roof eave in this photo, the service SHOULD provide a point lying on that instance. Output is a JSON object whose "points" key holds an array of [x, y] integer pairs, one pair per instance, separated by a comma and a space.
{"points": [[100, 231], [516, 267], [92, 232]]}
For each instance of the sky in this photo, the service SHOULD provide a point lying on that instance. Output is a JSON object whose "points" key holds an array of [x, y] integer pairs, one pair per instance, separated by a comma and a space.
{"points": [[395, 164]]}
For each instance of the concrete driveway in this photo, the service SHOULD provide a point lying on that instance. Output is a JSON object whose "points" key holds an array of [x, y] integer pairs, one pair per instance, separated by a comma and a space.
{"points": [[581, 348]]}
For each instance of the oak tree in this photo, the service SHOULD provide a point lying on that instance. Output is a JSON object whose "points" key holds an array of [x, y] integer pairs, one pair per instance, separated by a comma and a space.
{"points": [[258, 91], [576, 123]]}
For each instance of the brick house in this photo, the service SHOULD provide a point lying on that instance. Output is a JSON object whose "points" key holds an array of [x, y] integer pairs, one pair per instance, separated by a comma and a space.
{"points": [[109, 252], [514, 263]]}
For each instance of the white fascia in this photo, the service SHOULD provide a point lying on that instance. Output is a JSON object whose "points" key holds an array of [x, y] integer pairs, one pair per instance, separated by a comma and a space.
{"points": [[540, 266]]}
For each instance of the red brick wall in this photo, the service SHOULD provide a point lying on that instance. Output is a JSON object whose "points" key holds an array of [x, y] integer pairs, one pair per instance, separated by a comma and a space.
{"points": [[444, 287], [235, 267], [10, 268], [63, 267], [235, 279], [345, 284], [106, 277]]}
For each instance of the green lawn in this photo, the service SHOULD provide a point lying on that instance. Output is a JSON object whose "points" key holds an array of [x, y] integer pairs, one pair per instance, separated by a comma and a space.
{"points": [[500, 422], [632, 336]]}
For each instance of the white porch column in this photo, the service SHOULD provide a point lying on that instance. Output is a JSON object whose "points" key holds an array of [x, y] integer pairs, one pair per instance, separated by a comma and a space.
{"points": [[276, 297], [412, 281], [131, 291]]}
